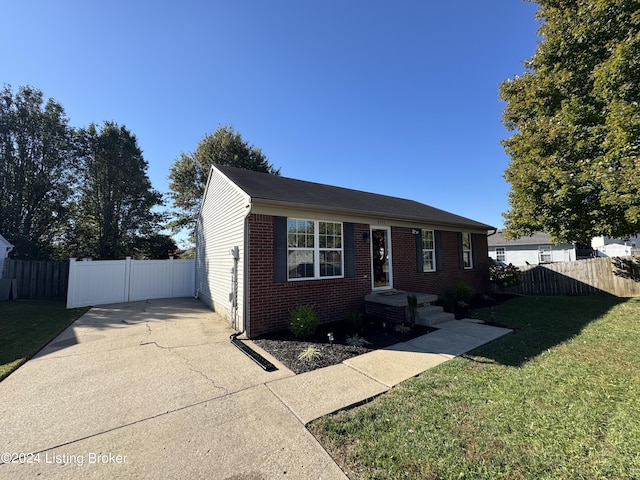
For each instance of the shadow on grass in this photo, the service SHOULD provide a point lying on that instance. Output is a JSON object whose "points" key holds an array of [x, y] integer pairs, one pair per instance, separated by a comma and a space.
{"points": [[27, 326], [540, 323]]}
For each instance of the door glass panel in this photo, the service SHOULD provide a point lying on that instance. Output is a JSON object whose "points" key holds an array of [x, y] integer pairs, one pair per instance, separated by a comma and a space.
{"points": [[381, 258]]}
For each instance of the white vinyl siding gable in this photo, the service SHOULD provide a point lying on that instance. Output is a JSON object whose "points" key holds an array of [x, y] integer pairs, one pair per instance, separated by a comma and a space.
{"points": [[521, 255], [221, 227]]}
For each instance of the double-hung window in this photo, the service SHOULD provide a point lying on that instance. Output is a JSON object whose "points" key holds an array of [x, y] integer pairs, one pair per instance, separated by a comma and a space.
{"points": [[428, 251], [544, 254], [315, 249], [467, 255], [501, 255]]}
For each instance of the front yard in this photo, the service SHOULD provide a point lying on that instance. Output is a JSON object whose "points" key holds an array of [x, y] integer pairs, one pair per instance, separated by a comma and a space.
{"points": [[27, 326], [557, 399]]}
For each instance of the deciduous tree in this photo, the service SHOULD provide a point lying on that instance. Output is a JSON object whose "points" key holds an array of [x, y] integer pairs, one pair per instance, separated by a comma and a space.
{"points": [[35, 165], [575, 165], [189, 172]]}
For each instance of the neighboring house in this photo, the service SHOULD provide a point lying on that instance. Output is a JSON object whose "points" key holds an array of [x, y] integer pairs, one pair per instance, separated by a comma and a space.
{"points": [[266, 244], [5, 248], [531, 250], [616, 247]]}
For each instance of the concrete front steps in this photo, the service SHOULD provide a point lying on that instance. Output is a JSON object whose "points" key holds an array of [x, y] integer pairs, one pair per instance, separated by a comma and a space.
{"points": [[393, 305], [430, 315]]}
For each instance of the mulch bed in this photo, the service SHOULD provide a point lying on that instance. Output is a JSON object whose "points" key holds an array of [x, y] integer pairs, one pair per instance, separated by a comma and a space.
{"points": [[286, 347]]}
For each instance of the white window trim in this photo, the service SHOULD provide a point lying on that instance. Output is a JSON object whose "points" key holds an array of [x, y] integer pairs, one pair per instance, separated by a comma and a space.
{"points": [[545, 250], [501, 252], [470, 250], [316, 250], [432, 250]]}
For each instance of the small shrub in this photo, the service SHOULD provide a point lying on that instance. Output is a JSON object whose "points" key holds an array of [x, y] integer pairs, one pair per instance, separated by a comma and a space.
{"points": [[309, 354], [353, 321], [504, 276], [464, 294], [303, 321], [357, 341], [402, 328]]}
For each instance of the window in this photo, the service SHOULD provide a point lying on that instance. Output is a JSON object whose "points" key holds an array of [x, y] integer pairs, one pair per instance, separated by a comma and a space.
{"points": [[544, 254], [467, 257], [428, 251], [314, 249], [500, 254]]}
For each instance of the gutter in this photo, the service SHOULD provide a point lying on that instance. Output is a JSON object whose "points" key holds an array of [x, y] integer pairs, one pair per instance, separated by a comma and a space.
{"points": [[233, 338], [252, 354], [350, 211]]}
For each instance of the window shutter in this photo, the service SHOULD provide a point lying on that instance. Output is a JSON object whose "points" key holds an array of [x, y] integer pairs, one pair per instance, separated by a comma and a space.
{"points": [[419, 258], [439, 249], [279, 249], [348, 230], [460, 255]]}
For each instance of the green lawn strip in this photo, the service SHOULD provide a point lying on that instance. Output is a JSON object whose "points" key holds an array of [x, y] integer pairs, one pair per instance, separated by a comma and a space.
{"points": [[557, 399], [27, 326]]}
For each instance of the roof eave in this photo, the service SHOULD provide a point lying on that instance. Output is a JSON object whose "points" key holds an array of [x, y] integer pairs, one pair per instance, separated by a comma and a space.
{"points": [[367, 213]]}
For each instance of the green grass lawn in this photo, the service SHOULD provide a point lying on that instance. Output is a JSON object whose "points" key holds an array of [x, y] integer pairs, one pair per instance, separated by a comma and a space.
{"points": [[559, 399], [26, 327]]}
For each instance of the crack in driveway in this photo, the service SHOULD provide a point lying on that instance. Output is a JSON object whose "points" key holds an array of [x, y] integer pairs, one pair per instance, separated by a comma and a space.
{"points": [[187, 362]]}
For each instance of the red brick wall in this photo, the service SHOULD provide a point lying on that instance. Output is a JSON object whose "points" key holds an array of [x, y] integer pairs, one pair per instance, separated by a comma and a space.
{"points": [[407, 277], [269, 303]]}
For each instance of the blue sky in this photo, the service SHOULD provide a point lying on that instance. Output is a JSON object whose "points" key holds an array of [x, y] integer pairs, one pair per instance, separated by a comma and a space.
{"points": [[398, 98]]}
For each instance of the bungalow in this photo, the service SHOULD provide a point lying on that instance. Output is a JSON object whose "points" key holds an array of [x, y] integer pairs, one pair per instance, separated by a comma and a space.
{"points": [[534, 249], [615, 247], [266, 244]]}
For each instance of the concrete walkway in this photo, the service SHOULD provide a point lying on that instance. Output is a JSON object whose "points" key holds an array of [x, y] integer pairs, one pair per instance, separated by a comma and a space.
{"points": [[156, 390]]}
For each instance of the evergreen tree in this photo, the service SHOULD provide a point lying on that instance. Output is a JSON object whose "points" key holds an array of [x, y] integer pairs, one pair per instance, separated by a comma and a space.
{"points": [[113, 215]]}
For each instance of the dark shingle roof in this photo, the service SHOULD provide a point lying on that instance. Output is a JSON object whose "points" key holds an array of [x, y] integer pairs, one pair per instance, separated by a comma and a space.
{"points": [[266, 188], [537, 238]]}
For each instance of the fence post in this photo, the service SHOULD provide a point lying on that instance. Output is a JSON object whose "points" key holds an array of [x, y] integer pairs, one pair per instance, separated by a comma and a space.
{"points": [[70, 287], [171, 276], [127, 278]]}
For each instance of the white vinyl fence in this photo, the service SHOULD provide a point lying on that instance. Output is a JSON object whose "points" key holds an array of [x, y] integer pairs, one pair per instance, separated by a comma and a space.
{"points": [[113, 281]]}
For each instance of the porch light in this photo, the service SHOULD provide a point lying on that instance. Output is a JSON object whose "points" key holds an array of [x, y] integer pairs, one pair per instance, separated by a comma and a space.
{"points": [[365, 236]]}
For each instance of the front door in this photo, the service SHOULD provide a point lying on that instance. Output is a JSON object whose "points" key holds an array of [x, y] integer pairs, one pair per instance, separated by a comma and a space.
{"points": [[381, 257]]}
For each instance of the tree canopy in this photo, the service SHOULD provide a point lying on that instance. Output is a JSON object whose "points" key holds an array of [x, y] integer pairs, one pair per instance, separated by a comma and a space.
{"points": [[73, 192], [575, 168], [189, 173], [113, 215], [36, 157]]}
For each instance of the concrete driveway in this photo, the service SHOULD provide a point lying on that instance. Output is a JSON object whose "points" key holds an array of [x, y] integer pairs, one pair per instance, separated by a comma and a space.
{"points": [[151, 390]]}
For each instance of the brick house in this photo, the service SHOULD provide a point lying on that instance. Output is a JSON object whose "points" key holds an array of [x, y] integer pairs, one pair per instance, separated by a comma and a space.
{"points": [[266, 244]]}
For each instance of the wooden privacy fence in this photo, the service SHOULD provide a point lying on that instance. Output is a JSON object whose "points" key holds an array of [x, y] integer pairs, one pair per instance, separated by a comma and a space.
{"points": [[38, 278], [113, 281], [618, 276]]}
